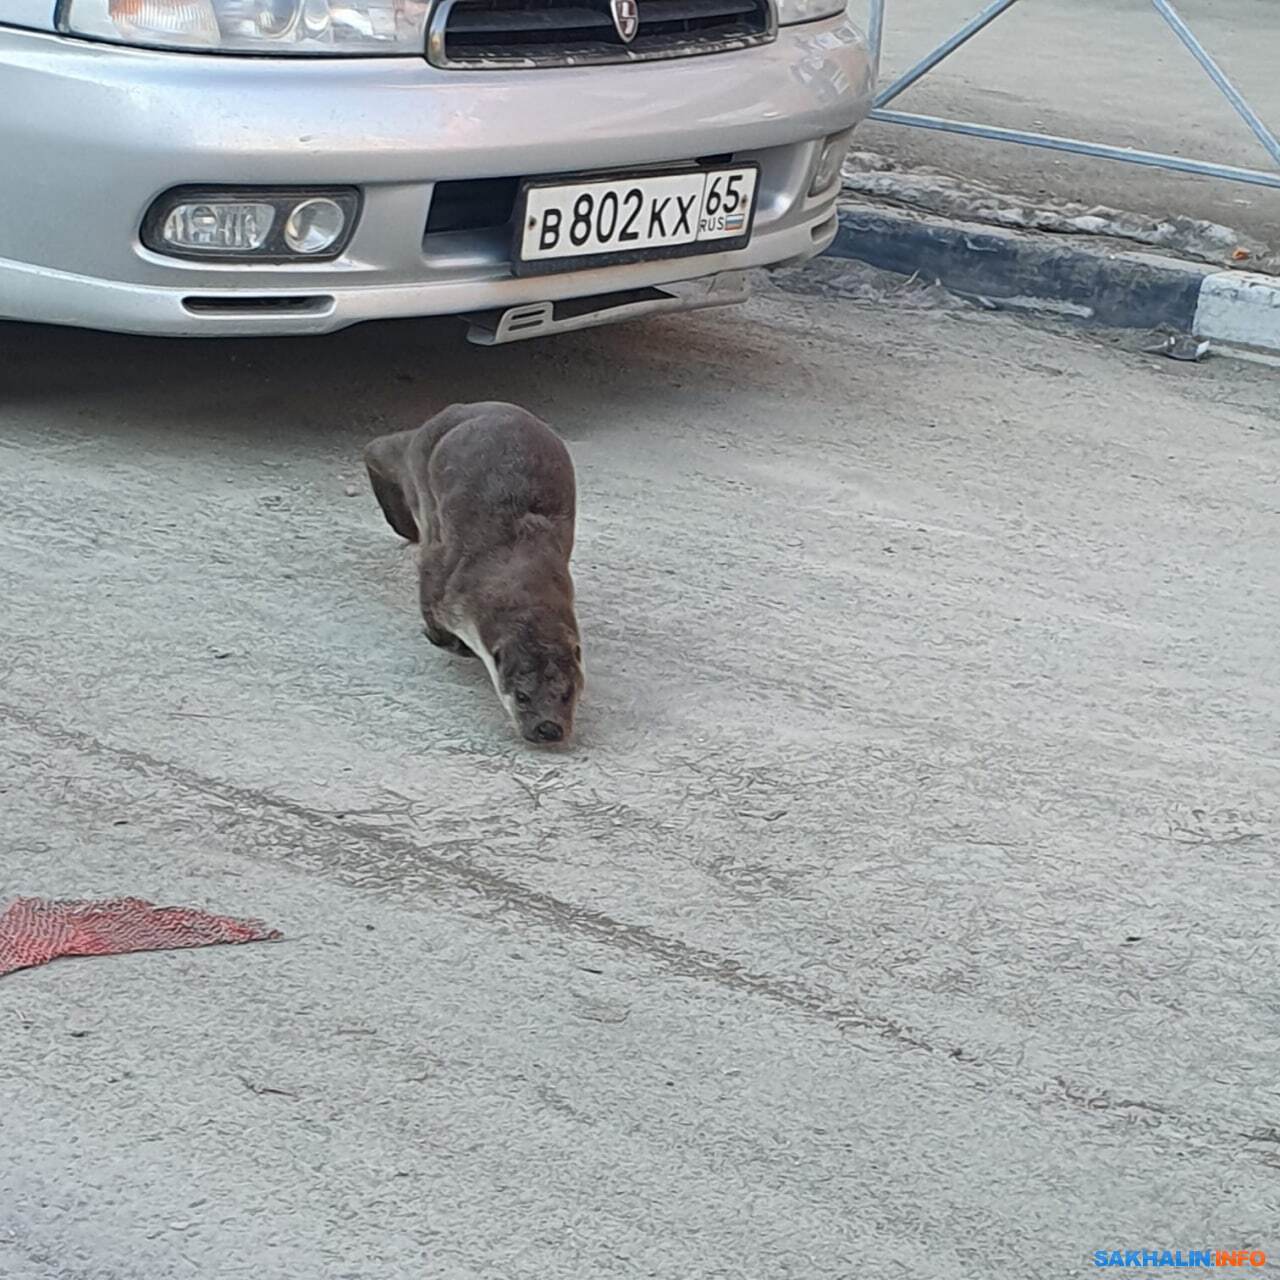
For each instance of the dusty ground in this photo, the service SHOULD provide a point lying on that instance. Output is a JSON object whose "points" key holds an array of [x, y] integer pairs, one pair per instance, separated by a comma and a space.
{"points": [[1102, 70], [907, 909]]}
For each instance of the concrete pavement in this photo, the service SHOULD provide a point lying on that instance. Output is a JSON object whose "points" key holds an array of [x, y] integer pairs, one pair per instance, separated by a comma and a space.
{"points": [[906, 910]]}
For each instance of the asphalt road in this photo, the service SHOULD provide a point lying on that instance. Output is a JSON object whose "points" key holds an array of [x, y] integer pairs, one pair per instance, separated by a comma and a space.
{"points": [[907, 907]]}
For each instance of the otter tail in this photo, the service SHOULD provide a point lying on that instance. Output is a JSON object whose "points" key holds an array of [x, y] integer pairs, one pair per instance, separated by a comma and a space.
{"points": [[384, 460]]}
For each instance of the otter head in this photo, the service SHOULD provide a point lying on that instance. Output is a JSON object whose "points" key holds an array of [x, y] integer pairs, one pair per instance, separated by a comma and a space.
{"points": [[538, 672]]}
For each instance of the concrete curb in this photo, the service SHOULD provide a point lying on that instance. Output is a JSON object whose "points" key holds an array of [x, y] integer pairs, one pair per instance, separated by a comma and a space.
{"points": [[1129, 290]]}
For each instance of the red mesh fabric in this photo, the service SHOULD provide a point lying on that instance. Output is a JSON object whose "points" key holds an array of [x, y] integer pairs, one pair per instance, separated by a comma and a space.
{"points": [[36, 930]]}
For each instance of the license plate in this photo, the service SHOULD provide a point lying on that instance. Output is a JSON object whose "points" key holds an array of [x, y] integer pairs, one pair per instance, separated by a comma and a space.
{"points": [[572, 225]]}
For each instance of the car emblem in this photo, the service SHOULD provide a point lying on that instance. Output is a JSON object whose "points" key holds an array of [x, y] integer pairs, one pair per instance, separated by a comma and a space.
{"points": [[626, 18]]}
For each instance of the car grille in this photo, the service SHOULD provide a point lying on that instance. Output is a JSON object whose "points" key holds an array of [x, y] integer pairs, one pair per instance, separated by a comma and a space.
{"points": [[546, 33]]}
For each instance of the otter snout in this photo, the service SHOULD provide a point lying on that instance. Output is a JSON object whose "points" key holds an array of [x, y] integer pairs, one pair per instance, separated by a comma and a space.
{"points": [[545, 731]]}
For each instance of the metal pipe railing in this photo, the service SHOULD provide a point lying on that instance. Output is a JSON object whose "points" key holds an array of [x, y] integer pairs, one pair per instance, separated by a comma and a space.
{"points": [[944, 50], [1054, 142], [1219, 77]]}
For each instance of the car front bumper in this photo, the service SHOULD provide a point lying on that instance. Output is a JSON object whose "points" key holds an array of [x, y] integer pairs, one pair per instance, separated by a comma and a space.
{"points": [[94, 133]]}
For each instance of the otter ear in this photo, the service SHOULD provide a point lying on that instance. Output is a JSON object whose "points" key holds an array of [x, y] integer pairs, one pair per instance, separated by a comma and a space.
{"points": [[577, 653], [497, 658]]}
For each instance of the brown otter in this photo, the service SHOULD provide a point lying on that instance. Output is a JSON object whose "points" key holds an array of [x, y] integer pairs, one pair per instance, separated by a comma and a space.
{"points": [[487, 492]]}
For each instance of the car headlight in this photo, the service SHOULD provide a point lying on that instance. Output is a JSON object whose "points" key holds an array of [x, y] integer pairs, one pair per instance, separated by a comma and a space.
{"points": [[793, 12], [323, 28]]}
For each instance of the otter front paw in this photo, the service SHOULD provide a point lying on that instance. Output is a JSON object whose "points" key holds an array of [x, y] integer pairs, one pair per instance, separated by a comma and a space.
{"points": [[445, 640]]}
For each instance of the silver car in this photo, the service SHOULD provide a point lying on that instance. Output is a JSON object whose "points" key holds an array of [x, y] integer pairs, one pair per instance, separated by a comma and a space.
{"points": [[261, 167]]}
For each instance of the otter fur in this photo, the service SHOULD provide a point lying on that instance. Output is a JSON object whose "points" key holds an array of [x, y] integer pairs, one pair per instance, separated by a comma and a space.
{"points": [[487, 492]]}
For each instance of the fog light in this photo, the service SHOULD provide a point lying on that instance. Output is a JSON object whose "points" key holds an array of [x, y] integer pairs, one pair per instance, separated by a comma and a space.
{"points": [[218, 228], [252, 224], [314, 226], [830, 162]]}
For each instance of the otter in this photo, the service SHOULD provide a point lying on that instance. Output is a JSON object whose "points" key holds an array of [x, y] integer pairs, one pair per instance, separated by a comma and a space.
{"points": [[487, 492]]}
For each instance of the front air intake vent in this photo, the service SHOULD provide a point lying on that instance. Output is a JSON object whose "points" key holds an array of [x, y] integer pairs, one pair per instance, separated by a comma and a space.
{"points": [[558, 33]]}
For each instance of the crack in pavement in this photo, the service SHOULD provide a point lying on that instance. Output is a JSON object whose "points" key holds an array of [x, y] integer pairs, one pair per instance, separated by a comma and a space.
{"points": [[373, 853]]}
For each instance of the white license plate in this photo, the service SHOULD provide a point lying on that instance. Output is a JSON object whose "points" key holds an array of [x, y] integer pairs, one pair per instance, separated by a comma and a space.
{"points": [[644, 216]]}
